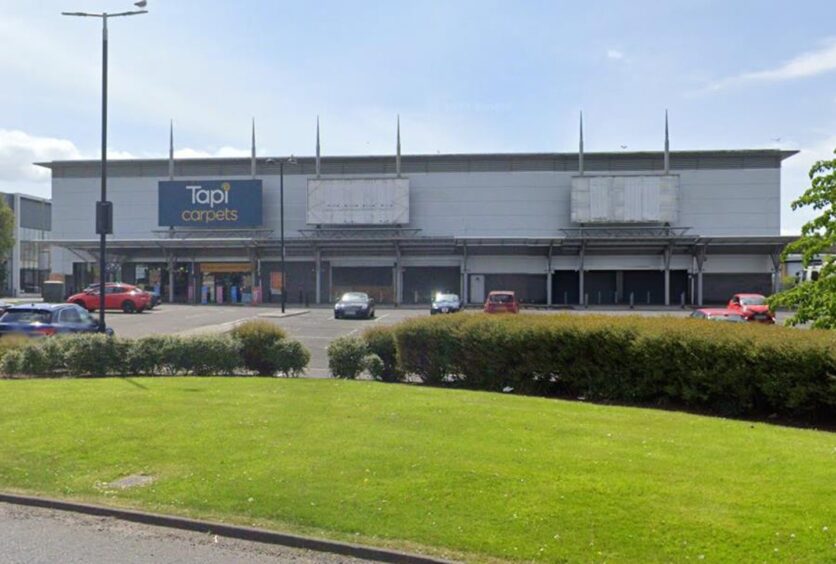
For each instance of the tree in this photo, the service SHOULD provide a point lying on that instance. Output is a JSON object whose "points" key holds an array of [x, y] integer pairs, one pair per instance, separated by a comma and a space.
{"points": [[7, 238], [815, 301]]}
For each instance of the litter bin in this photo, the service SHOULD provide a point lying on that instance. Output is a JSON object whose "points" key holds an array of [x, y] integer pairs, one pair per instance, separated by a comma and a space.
{"points": [[53, 291]]}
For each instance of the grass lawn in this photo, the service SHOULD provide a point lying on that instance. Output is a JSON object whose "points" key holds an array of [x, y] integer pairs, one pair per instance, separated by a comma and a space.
{"points": [[467, 474]]}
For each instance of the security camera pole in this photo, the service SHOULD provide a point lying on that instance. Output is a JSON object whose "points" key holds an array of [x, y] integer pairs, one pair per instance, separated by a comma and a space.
{"points": [[104, 209]]}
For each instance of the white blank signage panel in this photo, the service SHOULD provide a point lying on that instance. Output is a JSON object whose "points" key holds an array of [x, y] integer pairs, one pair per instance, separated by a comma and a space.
{"points": [[625, 199], [358, 201]]}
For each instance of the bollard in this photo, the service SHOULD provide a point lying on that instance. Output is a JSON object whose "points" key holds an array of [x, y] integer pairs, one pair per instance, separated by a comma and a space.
{"points": [[565, 298], [586, 300], [599, 297], [615, 297], [307, 299], [632, 300], [648, 298], [682, 300]]}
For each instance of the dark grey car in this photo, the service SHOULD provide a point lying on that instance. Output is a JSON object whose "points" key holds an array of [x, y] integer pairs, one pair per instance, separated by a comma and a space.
{"points": [[446, 303], [354, 304]]}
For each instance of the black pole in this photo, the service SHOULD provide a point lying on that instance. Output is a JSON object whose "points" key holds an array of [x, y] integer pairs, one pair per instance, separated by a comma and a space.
{"points": [[102, 222], [281, 206]]}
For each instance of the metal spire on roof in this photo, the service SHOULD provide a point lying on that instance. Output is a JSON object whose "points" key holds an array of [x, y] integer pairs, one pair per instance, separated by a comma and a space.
{"points": [[171, 150], [317, 146], [667, 146], [580, 148], [252, 158], [398, 153]]}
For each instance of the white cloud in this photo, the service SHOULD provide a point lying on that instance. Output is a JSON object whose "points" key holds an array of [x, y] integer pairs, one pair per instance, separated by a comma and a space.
{"points": [[615, 54], [807, 64], [189, 153], [18, 150], [795, 180]]}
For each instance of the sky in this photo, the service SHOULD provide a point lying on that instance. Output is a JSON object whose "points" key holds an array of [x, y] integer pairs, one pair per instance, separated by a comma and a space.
{"points": [[465, 76]]}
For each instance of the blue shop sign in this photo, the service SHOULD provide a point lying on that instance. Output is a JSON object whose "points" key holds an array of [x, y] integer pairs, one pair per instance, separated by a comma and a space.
{"points": [[214, 204]]}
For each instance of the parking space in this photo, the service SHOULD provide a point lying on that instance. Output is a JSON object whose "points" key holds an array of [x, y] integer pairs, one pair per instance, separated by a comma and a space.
{"points": [[317, 328], [168, 319]]}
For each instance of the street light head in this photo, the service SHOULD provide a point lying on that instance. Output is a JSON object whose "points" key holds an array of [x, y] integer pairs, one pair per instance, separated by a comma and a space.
{"points": [[141, 3], [271, 160], [291, 160]]}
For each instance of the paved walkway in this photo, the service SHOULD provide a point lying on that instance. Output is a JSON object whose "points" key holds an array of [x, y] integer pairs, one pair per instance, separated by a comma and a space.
{"points": [[31, 535]]}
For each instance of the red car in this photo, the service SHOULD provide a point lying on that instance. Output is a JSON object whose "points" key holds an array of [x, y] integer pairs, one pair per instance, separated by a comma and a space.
{"points": [[502, 302], [752, 307], [129, 299], [718, 314]]}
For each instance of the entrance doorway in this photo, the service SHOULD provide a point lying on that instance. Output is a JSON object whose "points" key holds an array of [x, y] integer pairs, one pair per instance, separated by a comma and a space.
{"points": [[225, 283]]}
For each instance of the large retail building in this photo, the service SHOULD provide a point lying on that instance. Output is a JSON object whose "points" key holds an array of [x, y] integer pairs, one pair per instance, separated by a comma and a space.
{"points": [[557, 228]]}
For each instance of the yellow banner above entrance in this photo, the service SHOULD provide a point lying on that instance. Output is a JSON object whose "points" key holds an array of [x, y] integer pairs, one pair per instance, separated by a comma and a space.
{"points": [[211, 267]]}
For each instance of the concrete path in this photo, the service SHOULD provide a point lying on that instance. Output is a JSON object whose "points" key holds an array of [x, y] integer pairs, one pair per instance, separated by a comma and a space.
{"points": [[31, 535]]}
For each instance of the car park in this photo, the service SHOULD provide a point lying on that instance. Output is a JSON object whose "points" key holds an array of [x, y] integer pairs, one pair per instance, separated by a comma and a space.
{"points": [[718, 314], [354, 304], [752, 307], [502, 302], [445, 303], [125, 297], [44, 320]]}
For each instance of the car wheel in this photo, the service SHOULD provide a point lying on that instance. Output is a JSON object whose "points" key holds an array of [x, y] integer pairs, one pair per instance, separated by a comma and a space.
{"points": [[128, 306]]}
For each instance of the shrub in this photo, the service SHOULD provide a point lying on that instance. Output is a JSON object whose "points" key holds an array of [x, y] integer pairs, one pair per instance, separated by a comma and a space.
{"points": [[207, 355], [429, 347], [12, 342], [155, 355], [376, 367], [93, 354], [258, 340], [743, 369], [11, 362], [381, 342], [346, 357], [288, 358]]}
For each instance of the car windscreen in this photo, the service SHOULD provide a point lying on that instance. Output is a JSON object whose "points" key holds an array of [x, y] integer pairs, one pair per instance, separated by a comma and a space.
{"points": [[446, 298], [26, 316], [501, 298], [753, 300], [354, 298]]}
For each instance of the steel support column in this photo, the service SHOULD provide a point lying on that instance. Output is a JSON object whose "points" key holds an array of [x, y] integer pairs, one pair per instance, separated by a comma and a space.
{"points": [[549, 278], [699, 256], [581, 289], [667, 258], [465, 289], [171, 278], [318, 258], [398, 278]]}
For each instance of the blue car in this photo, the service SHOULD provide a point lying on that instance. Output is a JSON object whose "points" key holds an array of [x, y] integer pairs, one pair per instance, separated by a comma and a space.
{"points": [[44, 320]]}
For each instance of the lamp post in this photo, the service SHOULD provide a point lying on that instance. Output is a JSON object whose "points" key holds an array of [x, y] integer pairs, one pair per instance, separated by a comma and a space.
{"points": [[104, 209], [290, 160]]}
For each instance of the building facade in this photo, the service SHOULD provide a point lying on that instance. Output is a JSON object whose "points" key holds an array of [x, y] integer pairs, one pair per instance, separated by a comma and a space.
{"points": [[558, 228], [28, 264]]}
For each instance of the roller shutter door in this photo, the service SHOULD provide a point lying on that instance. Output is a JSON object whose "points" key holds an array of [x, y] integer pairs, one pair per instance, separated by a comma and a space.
{"points": [[719, 288]]}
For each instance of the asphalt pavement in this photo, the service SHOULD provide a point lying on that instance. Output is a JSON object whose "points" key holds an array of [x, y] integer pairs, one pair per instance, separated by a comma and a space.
{"points": [[30, 535]]}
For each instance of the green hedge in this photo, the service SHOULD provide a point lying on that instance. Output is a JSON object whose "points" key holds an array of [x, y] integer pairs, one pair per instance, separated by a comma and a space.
{"points": [[205, 355], [728, 369]]}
